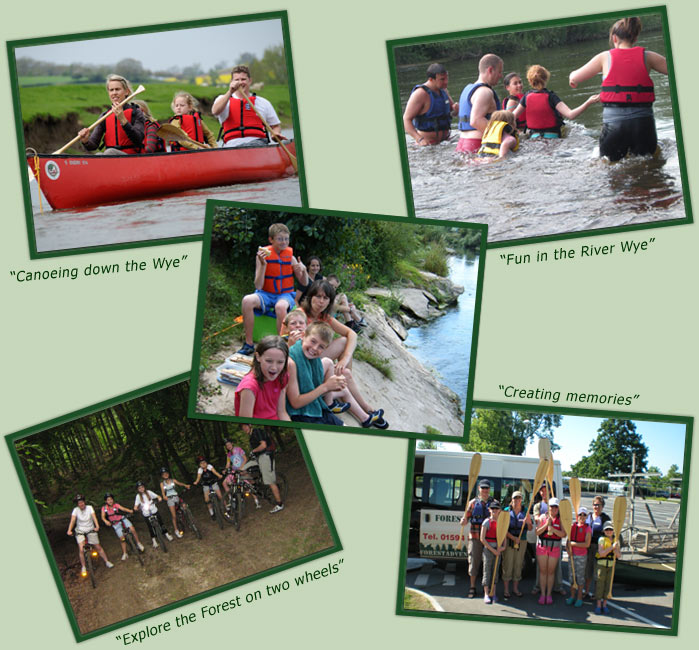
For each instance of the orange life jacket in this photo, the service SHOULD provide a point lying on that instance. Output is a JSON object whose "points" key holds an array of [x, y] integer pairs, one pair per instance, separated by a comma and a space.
{"points": [[279, 276], [242, 120], [191, 124], [627, 81], [114, 135]]}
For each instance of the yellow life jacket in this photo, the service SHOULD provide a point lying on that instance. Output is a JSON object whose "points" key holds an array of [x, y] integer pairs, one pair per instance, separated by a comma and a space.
{"points": [[492, 139]]}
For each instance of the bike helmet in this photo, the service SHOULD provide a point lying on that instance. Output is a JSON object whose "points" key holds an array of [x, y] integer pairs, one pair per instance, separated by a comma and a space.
{"points": [[140, 483], [163, 470], [199, 459], [79, 497], [107, 495]]}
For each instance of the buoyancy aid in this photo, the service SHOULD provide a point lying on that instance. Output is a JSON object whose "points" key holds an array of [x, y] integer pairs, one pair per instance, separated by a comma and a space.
{"points": [[491, 535], [465, 105], [541, 116], [577, 532], [438, 115], [242, 120], [279, 276], [191, 124], [113, 513], [492, 138], [522, 119], [479, 513], [627, 81], [556, 524], [516, 523], [114, 135]]}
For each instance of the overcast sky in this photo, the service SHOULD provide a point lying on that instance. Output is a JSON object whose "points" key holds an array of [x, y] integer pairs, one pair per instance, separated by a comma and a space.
{"points": [[207, 46], [665, 441]]}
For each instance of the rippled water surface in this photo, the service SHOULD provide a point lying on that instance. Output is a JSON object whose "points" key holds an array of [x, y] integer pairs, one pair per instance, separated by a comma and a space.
{"points": [[550, 186]]}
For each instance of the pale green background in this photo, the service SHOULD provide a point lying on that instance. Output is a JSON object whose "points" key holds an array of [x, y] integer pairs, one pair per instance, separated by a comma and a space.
{"points": [[599, 325]]}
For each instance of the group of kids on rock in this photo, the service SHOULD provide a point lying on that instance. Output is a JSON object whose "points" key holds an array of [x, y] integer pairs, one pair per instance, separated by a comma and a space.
{"points": [[84, 524], [591, 548], [131, 129], [491, 128], [304, 372]]}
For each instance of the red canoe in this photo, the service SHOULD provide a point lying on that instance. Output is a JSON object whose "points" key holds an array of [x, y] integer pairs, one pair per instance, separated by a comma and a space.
{"points": [[76, 181]]}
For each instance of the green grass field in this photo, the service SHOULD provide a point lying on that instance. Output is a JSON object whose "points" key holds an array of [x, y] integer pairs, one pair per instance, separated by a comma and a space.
{"points": [[60, 100]]}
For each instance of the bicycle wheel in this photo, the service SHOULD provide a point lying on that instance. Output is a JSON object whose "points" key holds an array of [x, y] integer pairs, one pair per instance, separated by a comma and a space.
{"points": [[160, 536], [90, 568], [133, 548], [239, 505], [191, 523], [180, 518], [218, 510], [230, 514]]}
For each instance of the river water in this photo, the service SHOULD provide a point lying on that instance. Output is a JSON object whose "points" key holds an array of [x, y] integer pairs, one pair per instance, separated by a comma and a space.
{"points": [[177, 215], [553, 186], [433, 344]]}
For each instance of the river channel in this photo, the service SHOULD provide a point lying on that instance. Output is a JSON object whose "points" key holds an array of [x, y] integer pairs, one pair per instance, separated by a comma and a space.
{"points": [[433, 343], [553, 186]]}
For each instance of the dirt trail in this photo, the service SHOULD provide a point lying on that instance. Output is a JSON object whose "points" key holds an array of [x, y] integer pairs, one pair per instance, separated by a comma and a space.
{"points": [[193, 566]]}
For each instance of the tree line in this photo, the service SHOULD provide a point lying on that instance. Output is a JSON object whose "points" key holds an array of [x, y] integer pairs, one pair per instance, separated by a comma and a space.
{"points": [[113, 448]]}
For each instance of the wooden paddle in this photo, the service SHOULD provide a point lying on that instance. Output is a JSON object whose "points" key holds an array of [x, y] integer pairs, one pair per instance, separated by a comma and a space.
{"points": [[138, 90], [618, 517], [575, 492], [565, 511], [292, 158], [170, 132], [539, 479], [545, 453], [501, 534], [474, 470]]}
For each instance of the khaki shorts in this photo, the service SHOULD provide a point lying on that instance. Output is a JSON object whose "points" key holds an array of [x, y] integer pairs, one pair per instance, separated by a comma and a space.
{"points": [[92, 537]]}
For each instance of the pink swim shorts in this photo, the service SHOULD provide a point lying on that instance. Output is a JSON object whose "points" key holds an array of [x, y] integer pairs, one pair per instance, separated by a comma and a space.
{"points": [[468, 145], [553, 551]]}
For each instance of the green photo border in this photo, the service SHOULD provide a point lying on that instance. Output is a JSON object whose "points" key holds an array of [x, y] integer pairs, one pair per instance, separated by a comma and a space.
{"points": [[211, 205], [79, 636], [416, 40], [624, 415], [130, 31]]}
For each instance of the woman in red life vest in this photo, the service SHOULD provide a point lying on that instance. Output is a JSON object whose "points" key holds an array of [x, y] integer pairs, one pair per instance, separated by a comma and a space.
{"points": [[152, 143], [188, 118], [628, 125], [548, 549], [545, 109], [122, 132]]}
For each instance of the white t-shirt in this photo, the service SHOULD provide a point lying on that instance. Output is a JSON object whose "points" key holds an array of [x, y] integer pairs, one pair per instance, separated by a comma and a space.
{"points": [[146, 503], [262, 105], [83, 519]]}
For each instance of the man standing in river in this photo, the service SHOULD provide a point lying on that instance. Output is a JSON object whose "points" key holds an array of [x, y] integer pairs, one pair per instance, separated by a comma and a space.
{"points": [[478, 100], [427, 116]]}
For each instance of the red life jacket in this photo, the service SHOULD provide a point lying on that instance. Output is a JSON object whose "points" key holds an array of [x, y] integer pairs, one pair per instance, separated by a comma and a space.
{"points": [[540, 113], [522, 119], [575, 531], [114, 135], [242, 120], [191, 124], [491, 535], [556, 524], [627, 81], [112, 513], [279, 277]]}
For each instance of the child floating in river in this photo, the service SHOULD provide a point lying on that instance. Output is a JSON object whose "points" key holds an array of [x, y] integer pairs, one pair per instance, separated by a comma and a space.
{"points": [[545, 109]]}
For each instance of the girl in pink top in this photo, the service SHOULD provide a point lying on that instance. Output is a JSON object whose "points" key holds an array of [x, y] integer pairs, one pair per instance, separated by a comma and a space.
{"points": [[262, 392]]}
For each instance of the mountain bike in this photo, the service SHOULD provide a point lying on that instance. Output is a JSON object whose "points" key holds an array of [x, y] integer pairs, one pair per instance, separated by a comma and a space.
{"points": [[88, 554], [258, 487], [131, 543], [159, 534], [185, 518], [218, 508], [234, 499]]}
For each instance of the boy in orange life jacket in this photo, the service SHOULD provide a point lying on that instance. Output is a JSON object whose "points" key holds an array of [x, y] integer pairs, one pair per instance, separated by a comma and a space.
{"points": [[188, 118], [275, 268], [240, 122]]}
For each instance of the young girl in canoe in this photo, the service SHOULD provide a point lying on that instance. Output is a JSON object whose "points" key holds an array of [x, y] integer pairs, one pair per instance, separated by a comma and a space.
{"points": [[515, 92], [262, 392], [188, 118], [500, 136], [545, 109], [152, 143]]}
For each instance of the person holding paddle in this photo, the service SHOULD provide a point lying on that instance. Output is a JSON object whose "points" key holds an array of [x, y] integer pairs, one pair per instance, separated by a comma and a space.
{"points": [[188, 118], [596, 520], [122, 131], [493, 550], [578, 543], [513, 557], [476, 513], [606, 547], [548, 549], [243, 116]]}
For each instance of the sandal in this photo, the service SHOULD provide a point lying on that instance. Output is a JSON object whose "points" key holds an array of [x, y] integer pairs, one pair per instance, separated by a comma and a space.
{"points": [[506, 596], [472, 592], [517, 593]]}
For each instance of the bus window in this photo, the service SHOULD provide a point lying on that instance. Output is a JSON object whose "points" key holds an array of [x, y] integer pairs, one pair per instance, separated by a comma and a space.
{"points": [[512, 485], [443, 491]]}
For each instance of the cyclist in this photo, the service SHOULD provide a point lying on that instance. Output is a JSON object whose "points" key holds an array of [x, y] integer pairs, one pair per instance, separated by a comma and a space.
{"points": [[235, 460], [147, 503], [84, 521], [111, 516], [262, 454], [169, 492], [208, 477]]}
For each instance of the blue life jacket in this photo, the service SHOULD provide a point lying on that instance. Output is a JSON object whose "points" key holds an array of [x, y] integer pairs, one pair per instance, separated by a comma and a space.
{"points": [[465, 105], [480, 513], [516, 523], [438, 116]]}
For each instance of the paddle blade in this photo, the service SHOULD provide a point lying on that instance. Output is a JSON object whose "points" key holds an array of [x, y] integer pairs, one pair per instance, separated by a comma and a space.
{"points": [[565, 510], [549, 475], [474, 469], [575, 494], [540, 476], [503, 525], [544, 448], [618, 515]]}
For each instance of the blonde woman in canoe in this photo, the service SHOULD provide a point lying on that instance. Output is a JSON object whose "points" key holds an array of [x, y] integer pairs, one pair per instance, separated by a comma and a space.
{"points": [[123, 131]]}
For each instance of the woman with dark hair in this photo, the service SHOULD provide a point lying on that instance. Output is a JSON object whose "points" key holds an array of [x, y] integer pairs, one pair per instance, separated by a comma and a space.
{"points": [[313, 268], [628, 125]]}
